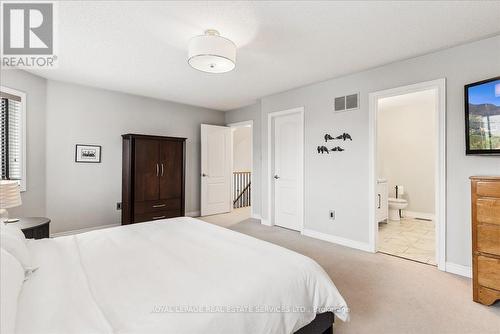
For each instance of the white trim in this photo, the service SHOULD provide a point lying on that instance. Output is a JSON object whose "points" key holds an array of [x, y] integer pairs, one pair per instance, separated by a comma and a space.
{"points": [[82, 230], [265, 222], [238, 125], [256, 216], [193, 214], [337, 240], [24, 159], [439, 86], [459, 269], [270, 201], [421, 215]]}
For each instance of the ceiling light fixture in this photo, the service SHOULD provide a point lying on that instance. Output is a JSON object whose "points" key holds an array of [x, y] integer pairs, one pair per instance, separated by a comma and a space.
{"points": [[212, 53]]}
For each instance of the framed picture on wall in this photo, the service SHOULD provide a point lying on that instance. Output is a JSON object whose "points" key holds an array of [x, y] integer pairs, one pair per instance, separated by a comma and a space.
{"points": [[482, 117], [88, 153]]}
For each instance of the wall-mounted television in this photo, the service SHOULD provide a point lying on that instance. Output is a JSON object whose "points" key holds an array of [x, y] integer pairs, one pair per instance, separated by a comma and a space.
{"points": [[482, 117]]}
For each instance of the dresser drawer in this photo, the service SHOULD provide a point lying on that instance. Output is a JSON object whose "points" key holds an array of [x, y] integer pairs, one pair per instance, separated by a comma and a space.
{"points": [[488, 189], [157, 205], [148, 216], [488, 239], [488, 210], [488, 272]]}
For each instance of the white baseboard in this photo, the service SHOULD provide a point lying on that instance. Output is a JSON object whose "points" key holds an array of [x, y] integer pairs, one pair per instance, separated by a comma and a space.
{"points": [[256, 216], [337, 240], [458, 269], [265, 222], [193, 214], [421, 215], [82, 230]]}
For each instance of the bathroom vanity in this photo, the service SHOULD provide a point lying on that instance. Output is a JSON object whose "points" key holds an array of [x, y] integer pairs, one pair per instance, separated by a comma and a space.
{"points": [[381, 204]]}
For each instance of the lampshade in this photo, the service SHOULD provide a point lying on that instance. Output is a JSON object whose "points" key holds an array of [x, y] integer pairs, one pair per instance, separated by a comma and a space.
{"points": [[212, 53], [10, 194]]}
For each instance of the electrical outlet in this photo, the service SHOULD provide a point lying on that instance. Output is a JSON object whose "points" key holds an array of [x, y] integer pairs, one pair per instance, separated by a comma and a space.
{"points": [[119, 206], [332, 215]]}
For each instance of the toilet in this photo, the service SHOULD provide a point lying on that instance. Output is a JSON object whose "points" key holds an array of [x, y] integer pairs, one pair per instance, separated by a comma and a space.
{"points": [[396, 204]]}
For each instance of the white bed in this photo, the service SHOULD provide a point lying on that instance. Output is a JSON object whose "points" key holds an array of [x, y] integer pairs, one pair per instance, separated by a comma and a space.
{"points": [[156, 277]]}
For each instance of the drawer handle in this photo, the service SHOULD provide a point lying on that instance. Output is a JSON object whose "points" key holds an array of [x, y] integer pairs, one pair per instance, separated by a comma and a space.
{"points": [[159, 205], [160, 217]]}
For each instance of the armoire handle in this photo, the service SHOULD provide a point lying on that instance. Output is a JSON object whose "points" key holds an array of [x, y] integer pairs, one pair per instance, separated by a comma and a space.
{"points": [[157, 169], [159, 217], [162, 169]]}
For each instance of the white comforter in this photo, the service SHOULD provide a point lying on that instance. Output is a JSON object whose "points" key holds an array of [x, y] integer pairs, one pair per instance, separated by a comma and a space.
{"points": [[177, 276]]}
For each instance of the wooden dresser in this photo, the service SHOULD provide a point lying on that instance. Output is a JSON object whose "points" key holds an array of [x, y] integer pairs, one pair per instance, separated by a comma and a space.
{"points": [[153, 178], [486, 238]]}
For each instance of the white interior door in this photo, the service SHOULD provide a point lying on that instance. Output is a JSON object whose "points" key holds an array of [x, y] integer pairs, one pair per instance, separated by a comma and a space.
{"points": [[215, 169], [288, 166]]}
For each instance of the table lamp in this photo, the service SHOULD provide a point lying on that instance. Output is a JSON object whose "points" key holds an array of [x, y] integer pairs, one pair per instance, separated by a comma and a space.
{"points": [[10, 196]]}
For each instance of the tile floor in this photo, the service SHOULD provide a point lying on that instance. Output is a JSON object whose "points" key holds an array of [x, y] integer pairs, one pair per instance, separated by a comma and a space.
{"points": [[409, 238]]}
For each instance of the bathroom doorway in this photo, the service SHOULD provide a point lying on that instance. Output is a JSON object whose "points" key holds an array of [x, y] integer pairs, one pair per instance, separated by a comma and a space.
{"points": [[407, 172]]}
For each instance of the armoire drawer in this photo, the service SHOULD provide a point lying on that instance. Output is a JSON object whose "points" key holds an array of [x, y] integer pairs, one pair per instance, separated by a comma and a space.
{"points": [[157, 205], [488, 239], [488, 189], [144, 217], [488, 271]]}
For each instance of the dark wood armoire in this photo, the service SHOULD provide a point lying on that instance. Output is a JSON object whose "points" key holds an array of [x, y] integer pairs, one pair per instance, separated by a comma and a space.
{"points": [[153, 178]]}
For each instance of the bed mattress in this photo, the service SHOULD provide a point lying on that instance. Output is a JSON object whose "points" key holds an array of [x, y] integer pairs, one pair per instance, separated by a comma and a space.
{"points": [[179, 275]]}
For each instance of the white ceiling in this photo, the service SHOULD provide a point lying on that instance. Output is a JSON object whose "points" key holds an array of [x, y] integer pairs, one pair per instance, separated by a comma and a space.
{"points": [[140, 47]]}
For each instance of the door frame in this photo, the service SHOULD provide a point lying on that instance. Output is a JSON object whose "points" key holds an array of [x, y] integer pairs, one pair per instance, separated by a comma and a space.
{"points": [[270, 199], [439, 86], [237, 125]]}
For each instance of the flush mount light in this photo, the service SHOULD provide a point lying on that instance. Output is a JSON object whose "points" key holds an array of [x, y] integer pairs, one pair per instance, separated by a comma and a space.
{"points": [[212, 53]]}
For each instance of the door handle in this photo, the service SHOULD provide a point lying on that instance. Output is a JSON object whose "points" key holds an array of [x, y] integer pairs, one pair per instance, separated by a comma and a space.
{"points": [[159, 205], [204, 175], [276, 177], [157, 169], [159, 217], [162, 169], [379, 201]]}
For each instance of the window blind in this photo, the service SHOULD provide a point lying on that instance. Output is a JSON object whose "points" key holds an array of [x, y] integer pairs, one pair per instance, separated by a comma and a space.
{"points": [[4, 142], [11, 137]]}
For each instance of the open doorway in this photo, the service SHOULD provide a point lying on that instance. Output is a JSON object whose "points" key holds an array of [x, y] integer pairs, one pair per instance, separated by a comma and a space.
{"points": [[406, 146], [242, 165], [407, 174], [227, 170]]}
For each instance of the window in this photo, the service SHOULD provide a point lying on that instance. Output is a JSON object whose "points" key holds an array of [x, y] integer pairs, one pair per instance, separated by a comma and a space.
{"points": [[13, 136]]}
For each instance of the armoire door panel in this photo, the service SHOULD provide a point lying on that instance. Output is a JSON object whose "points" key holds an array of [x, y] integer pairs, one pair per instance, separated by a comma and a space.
{"points": [[171, 169], [147, 170]]}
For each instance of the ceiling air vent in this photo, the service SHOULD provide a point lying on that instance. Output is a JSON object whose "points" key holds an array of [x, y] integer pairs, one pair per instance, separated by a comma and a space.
{"points": [[346, 103]]}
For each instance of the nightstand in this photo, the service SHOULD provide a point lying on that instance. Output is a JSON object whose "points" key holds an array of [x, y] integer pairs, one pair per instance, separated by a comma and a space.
{"points": [[33, 227]]}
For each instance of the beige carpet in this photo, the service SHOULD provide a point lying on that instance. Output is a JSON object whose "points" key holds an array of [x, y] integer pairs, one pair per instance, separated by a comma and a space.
{"points": [[229, 219], [387, 294]]}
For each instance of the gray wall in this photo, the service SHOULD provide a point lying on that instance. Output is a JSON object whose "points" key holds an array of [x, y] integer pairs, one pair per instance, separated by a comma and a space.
{"points": [[60, 115], [35, 88], [252, 113], [340, 181], [83, 195]]}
